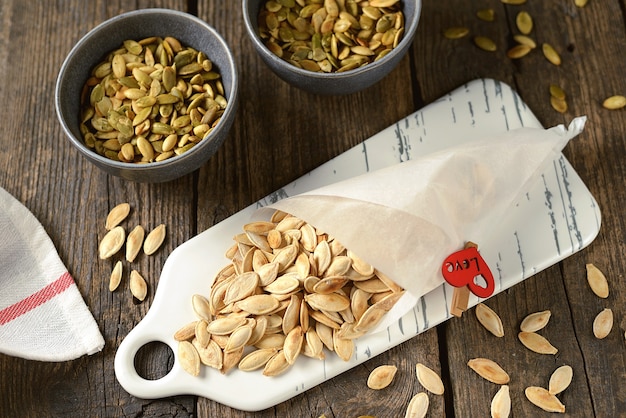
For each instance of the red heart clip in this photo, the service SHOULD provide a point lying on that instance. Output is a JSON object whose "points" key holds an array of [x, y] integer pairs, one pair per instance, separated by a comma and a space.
{"points": [[464, 267]]}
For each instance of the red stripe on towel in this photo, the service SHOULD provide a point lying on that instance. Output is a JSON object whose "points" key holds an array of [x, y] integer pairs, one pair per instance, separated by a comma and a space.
{"points": [[18, 309]]}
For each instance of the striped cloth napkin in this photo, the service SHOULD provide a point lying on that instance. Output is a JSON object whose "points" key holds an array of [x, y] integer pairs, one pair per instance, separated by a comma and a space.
{"points": [[42, 313]]}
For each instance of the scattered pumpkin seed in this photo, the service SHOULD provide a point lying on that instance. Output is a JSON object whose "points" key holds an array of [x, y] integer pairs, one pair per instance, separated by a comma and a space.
{"points": [[524, 22], [557, 92], [614, 102], [154, 240], [490, 370], [550, 53], [537, 343], [581, 3], [116, 276], [429, 379], [485, 43], [518, 51], [525, 40], [501, 403], [456, 32], [488, 15], [489, 319], [514, 2], [418, 406], [560, 379], [597, 281], [543, 399], [138, 286], [381, 377], [535, 321], [112, 242], [133, 243], [559, 105], [603, 323], [117, 215]]}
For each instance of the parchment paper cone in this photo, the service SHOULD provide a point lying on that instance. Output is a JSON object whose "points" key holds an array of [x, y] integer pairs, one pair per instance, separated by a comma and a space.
{"points": [[407, 218]]}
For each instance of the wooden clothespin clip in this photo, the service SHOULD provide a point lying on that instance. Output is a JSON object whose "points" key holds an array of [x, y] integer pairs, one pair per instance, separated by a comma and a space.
{"points": [[461, 269]]}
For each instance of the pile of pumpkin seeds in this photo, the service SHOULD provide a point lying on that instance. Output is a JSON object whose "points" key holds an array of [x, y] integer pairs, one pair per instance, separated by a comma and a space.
{"points": [[525, 45], [150, 100], [331, 35], [288, 290]]}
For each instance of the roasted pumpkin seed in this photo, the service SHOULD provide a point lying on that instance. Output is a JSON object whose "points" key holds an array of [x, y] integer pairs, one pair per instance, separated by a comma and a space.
{"points": [[381, 377], [603, 323], [429, 379], [501, 403], [560, 379], [490, 370], [543, 399]]}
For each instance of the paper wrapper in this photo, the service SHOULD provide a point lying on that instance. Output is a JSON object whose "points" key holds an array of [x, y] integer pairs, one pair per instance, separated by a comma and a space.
{"points": [[407, 218]]}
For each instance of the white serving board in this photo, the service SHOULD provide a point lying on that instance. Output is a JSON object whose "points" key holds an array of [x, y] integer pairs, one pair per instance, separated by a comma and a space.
{"points": [[557, 218]]}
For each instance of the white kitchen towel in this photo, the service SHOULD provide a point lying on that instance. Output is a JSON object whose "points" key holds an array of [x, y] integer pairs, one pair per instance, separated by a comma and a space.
{"points": [[42, 314]]}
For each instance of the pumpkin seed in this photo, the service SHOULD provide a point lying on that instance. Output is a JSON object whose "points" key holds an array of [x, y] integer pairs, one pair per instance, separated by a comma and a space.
{"points": [[557, 92], [580, 3], [154, 240], [116, 276], [256, 359], [525, 40], [614, 102], [518, 51], [535, 321], [189, 358], [133, 243], [597, 281], [456, 32], [186, 332], [543, 399], [490, 370], [558, 104], [381, 377], [603, 323], [429, 379], [550, 53], [485, 43], [418, 406], [489, 319], [276, 365], [536, 343], [112, 242], [501, 403], [117, 215], [138, 285], [515, 2], [488, 15], [524, 22], [560, 379]]}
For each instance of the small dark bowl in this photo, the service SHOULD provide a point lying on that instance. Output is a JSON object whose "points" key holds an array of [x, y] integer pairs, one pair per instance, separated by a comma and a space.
{"points": [[110, 35], [333, 83]]}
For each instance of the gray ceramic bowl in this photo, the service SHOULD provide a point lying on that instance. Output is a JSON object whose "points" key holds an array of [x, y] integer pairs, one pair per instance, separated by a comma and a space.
{"points": [[108, 36], [333, 83]]}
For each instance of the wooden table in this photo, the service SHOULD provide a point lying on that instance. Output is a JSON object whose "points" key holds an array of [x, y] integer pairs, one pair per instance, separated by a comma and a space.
{"points": [[282, 133]]}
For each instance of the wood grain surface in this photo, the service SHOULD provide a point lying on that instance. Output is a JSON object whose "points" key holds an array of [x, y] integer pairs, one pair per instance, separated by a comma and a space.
{"points": [[281, 133]]}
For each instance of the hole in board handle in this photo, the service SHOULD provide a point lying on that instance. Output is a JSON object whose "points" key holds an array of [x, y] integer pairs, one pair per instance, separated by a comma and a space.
{"points": [[154, 360]]}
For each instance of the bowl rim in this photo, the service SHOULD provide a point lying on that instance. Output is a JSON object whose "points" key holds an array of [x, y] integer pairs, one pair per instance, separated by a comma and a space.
{"points": [[407, 39], [177, 159]]}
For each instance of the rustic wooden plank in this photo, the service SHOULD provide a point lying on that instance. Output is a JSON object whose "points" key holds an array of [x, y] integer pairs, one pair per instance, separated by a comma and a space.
{"points": [[71, 198]]}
